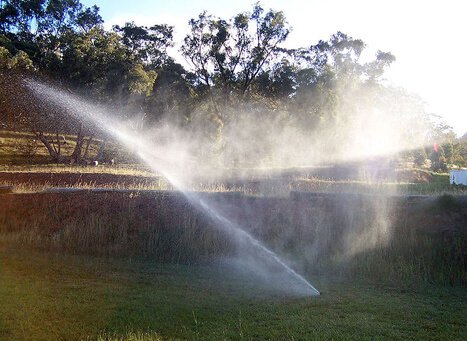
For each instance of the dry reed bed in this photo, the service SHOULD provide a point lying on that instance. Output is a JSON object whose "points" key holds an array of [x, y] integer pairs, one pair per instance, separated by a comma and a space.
{"points": [[50, 179], [383, 238]]}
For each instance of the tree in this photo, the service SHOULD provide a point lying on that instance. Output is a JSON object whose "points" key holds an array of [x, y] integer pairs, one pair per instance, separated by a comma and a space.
{"points": [[20, 60], [88, 18], [66, 40], [147, 44], [330, 77], [419, 156], [97, 64], [438, 159], [239, 76], [227, 58], [231, 54], [22, 110], [36, 26], [173, 97]]}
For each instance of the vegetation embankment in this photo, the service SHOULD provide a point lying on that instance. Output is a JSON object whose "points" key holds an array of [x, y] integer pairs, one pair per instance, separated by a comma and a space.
{"points": [[377, 238], [36, 179]]}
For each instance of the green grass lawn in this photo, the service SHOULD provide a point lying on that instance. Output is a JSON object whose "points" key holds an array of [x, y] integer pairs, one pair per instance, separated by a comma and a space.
{"points": [[48, 296]]}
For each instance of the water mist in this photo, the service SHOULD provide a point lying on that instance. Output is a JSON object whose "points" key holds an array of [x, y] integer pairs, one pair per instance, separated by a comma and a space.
{"points": [[172, 167]]}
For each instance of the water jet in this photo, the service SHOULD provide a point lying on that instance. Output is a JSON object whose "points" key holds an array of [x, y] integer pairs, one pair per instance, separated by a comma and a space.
{"points": [[169, 166]]}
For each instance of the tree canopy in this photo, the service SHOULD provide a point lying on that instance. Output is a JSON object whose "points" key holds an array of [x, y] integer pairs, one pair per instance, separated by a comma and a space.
{"points": [[236, 70]]}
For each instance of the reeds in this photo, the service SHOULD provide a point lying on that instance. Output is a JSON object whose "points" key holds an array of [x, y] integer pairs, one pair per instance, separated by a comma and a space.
{"points": [[390, 239]]}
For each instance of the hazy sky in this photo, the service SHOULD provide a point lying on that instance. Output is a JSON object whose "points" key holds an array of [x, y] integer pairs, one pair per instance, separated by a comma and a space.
{"points": [[427, 37]]}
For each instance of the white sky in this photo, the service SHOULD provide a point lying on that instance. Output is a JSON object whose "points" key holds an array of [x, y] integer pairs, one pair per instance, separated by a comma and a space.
{"points": [[428, 38]]}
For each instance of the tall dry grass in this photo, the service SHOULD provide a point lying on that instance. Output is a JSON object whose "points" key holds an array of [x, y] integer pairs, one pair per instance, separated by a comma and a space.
{"points": [[396, 239], [161, 225]]}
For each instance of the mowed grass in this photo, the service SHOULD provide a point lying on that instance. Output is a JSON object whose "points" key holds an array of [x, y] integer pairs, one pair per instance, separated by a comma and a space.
{"points": [[48, 296]]}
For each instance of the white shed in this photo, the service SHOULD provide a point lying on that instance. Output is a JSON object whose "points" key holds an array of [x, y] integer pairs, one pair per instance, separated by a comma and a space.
{"points": [[459, 177]]}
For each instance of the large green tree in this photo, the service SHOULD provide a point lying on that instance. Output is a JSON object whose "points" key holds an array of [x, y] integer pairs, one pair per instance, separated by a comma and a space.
{"points": [[241, 82], [67, 41], [232, 53]]}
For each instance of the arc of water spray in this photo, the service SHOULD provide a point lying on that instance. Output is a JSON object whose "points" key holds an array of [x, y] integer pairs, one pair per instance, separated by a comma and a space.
{"points": [[92, 114]]}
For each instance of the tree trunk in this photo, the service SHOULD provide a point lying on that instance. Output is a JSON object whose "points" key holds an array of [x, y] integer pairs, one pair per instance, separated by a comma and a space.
{"points": [[76, 156], [59, 147], [86, 150], [55, 156], [100, 153]]}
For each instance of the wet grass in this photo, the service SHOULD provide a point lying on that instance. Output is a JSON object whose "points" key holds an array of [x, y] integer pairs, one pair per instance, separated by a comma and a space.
{"points": [[48, 296], [439, 185]]}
